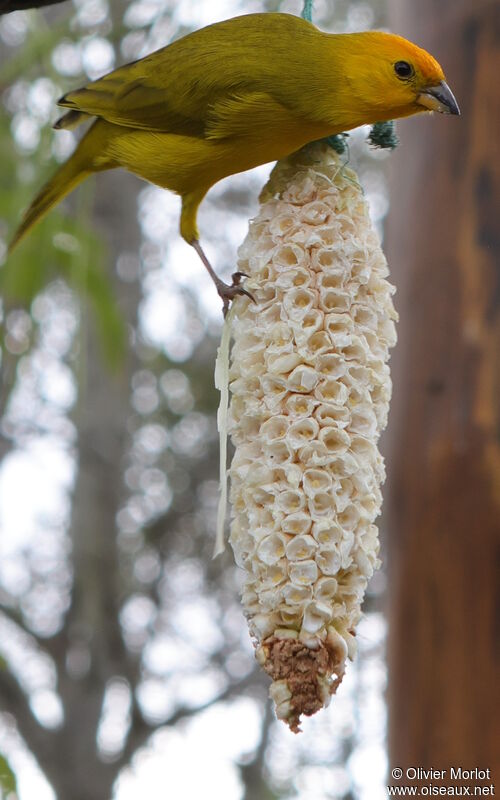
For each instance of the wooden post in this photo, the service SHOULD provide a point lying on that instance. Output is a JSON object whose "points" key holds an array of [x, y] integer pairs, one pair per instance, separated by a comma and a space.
{"points": [[443, 445]]}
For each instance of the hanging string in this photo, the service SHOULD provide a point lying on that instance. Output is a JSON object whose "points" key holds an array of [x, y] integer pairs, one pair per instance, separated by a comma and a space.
{"points": [[382, 134], [338, 142], [307, 11]]}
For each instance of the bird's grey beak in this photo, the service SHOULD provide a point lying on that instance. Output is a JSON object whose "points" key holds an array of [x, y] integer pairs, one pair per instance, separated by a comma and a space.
{"points": [[439, 98]]}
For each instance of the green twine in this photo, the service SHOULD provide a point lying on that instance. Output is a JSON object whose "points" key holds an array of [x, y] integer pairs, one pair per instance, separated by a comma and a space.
{"points": [[338, 142], [382, 134], [307, 11]]}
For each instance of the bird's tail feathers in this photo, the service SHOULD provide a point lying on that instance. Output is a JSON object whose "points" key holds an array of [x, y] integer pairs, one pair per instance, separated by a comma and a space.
{"points": [[68, 176], [70, 120]]}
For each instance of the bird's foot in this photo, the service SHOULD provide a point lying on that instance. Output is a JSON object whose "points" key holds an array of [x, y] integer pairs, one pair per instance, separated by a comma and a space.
{"points": [[227, 292]]}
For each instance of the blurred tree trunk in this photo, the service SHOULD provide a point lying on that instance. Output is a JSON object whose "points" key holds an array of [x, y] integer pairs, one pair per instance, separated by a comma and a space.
{"points": [[443, 498], [89, 650], [92, 626]]}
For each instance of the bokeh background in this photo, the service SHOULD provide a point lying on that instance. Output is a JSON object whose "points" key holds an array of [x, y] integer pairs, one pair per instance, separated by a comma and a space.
{"points": [[125, 664]]}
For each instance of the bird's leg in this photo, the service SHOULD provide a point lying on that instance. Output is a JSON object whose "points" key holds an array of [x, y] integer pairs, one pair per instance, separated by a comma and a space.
{"points": [[226, 291]]}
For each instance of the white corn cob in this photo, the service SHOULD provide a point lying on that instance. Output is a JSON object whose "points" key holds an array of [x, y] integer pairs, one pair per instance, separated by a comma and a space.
{"points": [[310, 391]]}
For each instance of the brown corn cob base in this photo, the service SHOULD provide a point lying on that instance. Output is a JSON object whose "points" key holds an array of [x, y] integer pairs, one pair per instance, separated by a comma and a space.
{"points": [[302, 668]]}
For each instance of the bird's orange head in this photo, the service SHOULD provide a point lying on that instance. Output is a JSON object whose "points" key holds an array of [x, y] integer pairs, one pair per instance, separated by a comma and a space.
{"points": [[390, 77]]}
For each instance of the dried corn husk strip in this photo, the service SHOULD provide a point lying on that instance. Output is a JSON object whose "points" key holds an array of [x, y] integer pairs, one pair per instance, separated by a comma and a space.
{"points": [[221, 380], [310, 389]]}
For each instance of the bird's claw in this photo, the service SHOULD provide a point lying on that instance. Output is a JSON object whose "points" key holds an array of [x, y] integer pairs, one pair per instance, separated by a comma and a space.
{"points": [[228, 292], [237, 276]]}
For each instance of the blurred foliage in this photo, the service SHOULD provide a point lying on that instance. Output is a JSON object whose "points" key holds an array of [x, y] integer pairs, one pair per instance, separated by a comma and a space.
{"points": [[34, 56], [8, 782], [62, 245]]}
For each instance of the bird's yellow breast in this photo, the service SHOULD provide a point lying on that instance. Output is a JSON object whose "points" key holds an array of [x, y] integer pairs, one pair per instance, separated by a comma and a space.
{"points": [[184, 163]]}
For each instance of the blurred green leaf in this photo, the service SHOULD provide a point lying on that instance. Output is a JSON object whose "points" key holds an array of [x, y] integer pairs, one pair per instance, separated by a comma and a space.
{"points": [[63, 247], [84, 268], [8, 783], [59, 246]]}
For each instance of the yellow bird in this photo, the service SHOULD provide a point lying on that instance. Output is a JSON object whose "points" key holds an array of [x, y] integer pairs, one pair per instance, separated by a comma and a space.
{"points": [[234, 95]]}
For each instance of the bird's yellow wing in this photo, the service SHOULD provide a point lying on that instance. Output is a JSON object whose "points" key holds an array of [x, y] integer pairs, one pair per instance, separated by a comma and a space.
{"points": [[238, 115], [133, 102], [200, 84], [141, 108]]}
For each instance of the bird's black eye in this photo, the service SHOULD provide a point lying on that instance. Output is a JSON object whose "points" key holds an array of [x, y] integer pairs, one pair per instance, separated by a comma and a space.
{"points": [[403, 69]]}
